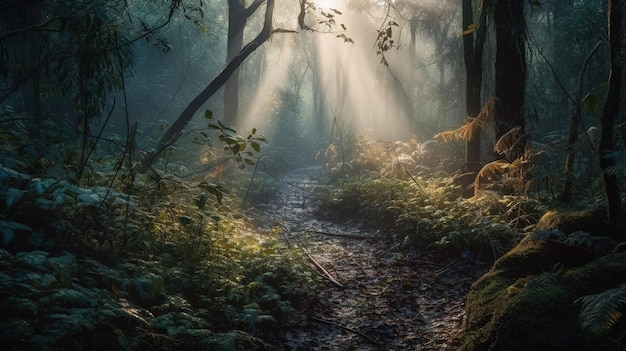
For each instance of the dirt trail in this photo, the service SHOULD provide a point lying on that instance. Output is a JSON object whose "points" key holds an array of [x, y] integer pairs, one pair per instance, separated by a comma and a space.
{"points": [[388, 299]]}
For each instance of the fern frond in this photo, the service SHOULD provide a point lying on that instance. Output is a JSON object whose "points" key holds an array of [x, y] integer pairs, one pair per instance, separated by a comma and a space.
{"points": [[600, 312], [447, 135], [507, 140], [489, 171], [472, 125]]}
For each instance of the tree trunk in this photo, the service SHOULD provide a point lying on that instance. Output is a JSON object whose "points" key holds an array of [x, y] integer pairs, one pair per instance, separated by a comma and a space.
{"points": [[176, 129], [510, 65], [472, 55], [238, 16], [572, 141], [609, 115]]}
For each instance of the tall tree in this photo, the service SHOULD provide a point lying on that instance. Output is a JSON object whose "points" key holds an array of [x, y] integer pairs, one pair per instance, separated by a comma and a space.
{"points": [[176, 129], [473, 43], [238, 15], [510, 65], [610, 113]]}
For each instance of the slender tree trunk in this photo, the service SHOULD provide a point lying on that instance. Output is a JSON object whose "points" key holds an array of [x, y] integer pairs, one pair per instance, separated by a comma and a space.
{"points": [[510, 65], [609, 115], [238, 16], [236, 24], [176, 129], [472, 55], [566, 194]]}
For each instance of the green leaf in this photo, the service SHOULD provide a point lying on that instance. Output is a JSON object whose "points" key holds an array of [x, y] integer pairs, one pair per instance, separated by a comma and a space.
{"points": [[92, 199], [20, 289], [33, 258], [256, 146], [15, 226], [208, 114], [15, 329], [185, 220], [12, 197], [7, 234], [591, 102], [201, 202]]}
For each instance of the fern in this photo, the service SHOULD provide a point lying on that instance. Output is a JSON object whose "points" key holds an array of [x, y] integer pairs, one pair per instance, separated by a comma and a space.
{"points": [[619, 156], [489, 171], [600, 312], [472, 124], [512, 145]]}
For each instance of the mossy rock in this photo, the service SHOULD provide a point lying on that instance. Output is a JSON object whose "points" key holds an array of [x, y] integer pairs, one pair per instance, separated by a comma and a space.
{"points": [[569, 220], [527, 300]]}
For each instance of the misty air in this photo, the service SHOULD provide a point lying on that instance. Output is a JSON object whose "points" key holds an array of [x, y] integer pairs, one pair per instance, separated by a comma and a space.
{"points": [[425, 175]]}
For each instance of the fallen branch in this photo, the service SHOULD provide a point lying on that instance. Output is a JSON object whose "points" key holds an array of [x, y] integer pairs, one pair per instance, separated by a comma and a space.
{"points": [[347, 236], [366, 337], [322, 270]]}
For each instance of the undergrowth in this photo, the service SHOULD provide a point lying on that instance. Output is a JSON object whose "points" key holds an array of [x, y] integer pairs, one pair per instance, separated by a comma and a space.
{"points": [[409, 188], [119, 260]]}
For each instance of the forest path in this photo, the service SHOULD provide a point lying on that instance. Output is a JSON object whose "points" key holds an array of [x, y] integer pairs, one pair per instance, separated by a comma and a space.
{"points": [[385, 299]]}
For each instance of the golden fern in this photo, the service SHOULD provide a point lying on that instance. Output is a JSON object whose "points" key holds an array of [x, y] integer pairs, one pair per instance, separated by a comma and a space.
{"points": [[507, 140], [600, 312], [513, 144], [489, 171], [472, 125]]}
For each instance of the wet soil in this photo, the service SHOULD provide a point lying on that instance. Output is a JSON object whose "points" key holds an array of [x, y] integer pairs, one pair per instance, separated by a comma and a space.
{"points": [[379, 296]]}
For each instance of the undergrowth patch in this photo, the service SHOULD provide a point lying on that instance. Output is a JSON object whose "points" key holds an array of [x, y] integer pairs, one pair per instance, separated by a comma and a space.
{"points": [[128, 261], [419, 202]]}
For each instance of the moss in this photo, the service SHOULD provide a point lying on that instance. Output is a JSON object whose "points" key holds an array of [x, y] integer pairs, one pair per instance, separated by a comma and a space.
{"points": [[527, 302], [569, 220]]}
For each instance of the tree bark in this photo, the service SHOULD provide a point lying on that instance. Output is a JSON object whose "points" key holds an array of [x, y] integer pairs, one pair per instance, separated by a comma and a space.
{"points": [[572, 140], [609, 115], [510, 65], [176, 129], [238, 16], [473, 44]]}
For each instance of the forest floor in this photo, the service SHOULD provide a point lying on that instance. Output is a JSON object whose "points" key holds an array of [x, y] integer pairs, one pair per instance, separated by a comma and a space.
{"points": [[379, 296]]}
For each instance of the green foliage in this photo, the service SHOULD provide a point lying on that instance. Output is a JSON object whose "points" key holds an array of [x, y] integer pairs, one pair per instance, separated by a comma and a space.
{"points": [[76, 52], [424, 211], [243, 149], [619, 169], [600, 312], [123, 261]]}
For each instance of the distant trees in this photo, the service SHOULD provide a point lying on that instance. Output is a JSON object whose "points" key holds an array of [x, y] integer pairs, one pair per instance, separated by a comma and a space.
{"points": [[60, 61]]}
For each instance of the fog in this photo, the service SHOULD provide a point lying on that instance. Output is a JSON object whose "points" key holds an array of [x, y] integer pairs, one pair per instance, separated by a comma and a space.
{"points": [[329, 78]]}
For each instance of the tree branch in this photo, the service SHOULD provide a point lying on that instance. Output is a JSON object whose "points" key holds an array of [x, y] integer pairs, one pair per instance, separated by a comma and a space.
{"points": [[176, 129]]}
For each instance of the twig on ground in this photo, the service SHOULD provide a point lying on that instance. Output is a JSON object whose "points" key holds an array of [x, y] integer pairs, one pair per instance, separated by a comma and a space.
{"points": [[447, 267], [366, 337], [322, 270], [347, 236]]}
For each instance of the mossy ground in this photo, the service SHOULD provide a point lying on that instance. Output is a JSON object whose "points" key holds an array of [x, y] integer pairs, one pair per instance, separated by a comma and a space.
{"points": [[527, 301]]}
